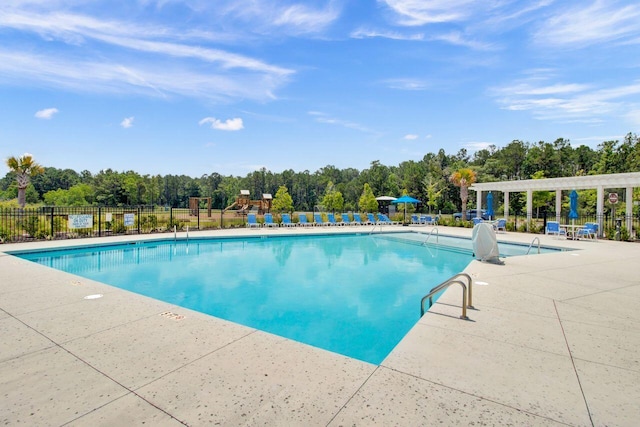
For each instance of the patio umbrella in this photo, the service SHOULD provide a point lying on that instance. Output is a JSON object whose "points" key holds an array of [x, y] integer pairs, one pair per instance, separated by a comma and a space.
{"points": [[405, 199], [490, 205], [573, 206]]}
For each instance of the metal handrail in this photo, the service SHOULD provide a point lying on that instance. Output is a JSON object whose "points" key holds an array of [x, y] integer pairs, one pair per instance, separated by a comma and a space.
{"points": [[438, 289], [430, 234], [467, 297], [376, 224], [531, 244]]}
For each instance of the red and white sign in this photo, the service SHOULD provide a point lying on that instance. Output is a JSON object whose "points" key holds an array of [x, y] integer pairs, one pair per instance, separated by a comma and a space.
{"points": [[613, 198]]}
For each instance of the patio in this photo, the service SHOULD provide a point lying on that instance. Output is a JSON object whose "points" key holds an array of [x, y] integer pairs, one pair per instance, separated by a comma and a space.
{"points": [[553, 341]]}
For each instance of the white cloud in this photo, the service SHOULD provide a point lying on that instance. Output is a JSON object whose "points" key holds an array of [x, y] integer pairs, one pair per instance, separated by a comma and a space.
{"points": [[459, 39], [393, 35], [127, 122], [411, 137], [265, 16], [229, 124], [420, 12], [406, 84], [46, 114], [193, 70], [147, 78], [600, 21], [326, 119], [304, 18], [568, 102], [478, 145]]}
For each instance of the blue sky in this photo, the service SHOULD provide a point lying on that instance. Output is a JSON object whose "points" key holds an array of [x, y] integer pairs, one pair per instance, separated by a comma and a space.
{"points": [[229, 86]]}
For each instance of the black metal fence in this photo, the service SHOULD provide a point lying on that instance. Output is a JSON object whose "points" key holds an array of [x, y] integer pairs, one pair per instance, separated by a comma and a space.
{"points": [[611, 224], [48, 223]]}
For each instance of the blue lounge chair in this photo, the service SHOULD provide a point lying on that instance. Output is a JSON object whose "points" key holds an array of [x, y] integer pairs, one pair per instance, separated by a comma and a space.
{"points": [[371, 219], [383, 219], [317, 219], [286, 220], [428, 219], [500, 224], [302, 220], [346, 220], [589, 231], [357, 219], [415, 219], [553, 229], [268, 221], [331, 219], [252, 221], [477, 221]]}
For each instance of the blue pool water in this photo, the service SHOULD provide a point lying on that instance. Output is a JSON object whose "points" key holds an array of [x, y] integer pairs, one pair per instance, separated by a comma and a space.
{"points": [[356, 295]]}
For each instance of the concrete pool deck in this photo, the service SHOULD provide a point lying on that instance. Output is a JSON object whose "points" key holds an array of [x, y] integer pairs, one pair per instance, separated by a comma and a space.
{"points": [[553, 340]]}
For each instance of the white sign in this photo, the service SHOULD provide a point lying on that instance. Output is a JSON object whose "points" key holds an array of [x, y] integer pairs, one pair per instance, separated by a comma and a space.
{"points": [[108, 217], [129, 219], [80, 221], [613, 198]]}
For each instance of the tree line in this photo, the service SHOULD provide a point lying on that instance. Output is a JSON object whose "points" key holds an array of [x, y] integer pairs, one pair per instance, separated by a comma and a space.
{"points": [[428, 179]]}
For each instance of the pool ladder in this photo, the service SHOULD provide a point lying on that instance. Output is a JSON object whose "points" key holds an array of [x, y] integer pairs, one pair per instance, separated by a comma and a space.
{"points": [[531, 245], [467, 295], [430, 234]]}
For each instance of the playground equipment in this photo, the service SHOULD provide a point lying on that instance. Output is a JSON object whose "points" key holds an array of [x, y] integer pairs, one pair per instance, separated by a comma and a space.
{"points": [[194, 205], [244, 204]]}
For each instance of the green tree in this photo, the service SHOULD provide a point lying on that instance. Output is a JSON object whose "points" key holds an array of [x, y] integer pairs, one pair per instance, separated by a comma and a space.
{"points": [[434, 193], [24, 168], [463, 178], [78, 195], [332, 200], [541, 198], [282, 202], [368, 202]]}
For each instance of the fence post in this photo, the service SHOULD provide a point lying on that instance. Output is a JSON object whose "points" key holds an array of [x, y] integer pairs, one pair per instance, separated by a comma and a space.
{"points": [[52, 235], [171, 217], [139, 219], [100, 221], [198, 213]]}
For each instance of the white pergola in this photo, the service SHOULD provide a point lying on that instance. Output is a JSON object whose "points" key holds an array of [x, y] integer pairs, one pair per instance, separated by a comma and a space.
{"points": [[628, 181]]}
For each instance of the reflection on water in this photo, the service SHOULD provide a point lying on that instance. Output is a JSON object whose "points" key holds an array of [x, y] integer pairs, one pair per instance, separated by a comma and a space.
{"points": [[357, 295]]}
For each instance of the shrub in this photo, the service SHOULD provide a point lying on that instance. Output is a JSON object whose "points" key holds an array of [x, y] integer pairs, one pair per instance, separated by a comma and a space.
{"points": [[31, 225], [117, 227], [175, 222], [610, 233], [148, 223]]}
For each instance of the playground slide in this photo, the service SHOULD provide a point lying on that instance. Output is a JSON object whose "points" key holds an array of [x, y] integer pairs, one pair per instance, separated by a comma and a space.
{"points": [[231, 206]]}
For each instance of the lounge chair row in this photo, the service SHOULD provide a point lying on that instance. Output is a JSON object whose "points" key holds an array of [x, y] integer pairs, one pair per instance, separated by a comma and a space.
{"points": [[424, 219], [371, 219]]}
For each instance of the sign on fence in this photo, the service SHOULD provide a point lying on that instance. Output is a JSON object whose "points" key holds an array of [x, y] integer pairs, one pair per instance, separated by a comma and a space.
{"points": [[81, 221], [129, 219]]}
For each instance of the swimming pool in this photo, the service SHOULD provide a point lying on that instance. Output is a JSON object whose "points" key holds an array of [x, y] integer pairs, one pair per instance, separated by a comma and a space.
{"points": [[356, 295]]}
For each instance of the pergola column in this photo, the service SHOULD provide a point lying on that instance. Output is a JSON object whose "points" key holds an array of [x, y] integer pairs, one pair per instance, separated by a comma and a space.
{"points": [[600, 209], [558, 204], [629, 210], [529, 207], [478, 204], [506, 205]]}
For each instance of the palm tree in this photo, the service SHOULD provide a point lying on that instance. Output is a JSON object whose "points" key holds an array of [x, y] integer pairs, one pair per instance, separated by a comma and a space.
{"points": [[463, 178], [24, 168]]}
